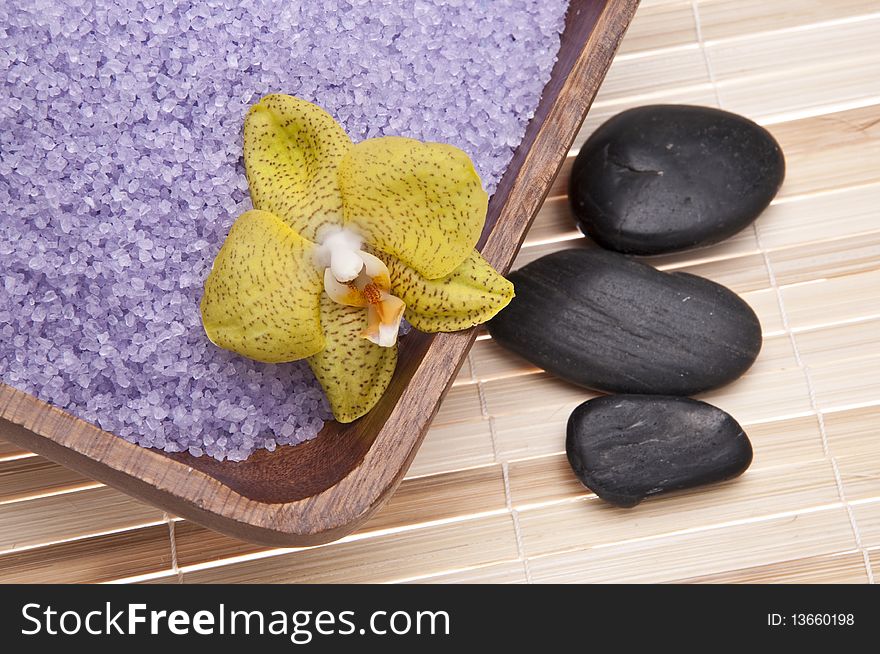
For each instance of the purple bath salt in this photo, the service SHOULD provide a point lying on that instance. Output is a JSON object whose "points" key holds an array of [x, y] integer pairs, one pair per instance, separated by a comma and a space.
{"points": [[121, 173]]}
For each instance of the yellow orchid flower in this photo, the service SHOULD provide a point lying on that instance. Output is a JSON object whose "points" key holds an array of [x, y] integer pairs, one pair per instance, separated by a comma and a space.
{"points": [[345, 240]]}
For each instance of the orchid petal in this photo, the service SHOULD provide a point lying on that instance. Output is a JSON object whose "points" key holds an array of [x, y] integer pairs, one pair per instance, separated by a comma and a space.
{"points": [[353, 371], [292, 150], [470, 295], [420, 202], [261, 298], [383, 320]]}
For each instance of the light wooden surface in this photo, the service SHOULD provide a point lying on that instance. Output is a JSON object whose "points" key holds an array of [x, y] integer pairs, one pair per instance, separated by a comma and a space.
{"points": [[489, 497]]}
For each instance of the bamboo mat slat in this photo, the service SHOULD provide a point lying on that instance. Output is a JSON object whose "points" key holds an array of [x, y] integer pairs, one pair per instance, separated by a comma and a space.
{"points": [[459, 445], [462, 403], [721, 19], [831, 151], [785, 53], [868, 518], [675, 557], [837, 258], [24, 478], [850, 431], [811, 404], [873, 558], [441, 497], [847, 568], [510, 572], [811, 219], [590, 522], [391, 557], [91, 560], [660, 26], [847, 383], [860, 472], [9, 451], [638, 77], [67, 516], [836, 299]]}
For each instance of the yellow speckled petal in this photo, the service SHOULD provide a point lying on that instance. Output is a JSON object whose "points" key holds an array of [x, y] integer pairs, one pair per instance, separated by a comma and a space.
{"points": [[470, 295], [262, 296], [292, 149], [421, 202], [353, 371]]}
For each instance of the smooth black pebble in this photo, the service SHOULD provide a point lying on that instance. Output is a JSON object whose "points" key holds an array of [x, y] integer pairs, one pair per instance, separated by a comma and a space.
{"points": [[627, 447], [663, 178], [603, 321]]}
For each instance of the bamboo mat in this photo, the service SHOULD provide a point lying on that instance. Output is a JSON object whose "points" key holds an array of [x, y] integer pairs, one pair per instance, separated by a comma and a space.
{"points": [[490, 497]]}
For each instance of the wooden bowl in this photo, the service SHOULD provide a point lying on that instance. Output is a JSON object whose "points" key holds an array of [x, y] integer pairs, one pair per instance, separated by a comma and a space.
{"points": [[323, 489]]}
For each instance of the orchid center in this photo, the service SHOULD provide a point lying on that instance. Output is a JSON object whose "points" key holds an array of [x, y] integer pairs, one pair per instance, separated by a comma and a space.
{"points": [[356, 278]]}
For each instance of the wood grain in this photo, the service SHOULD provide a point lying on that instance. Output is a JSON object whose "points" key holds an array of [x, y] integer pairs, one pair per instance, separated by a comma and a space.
{"points": [[324, 489]]}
